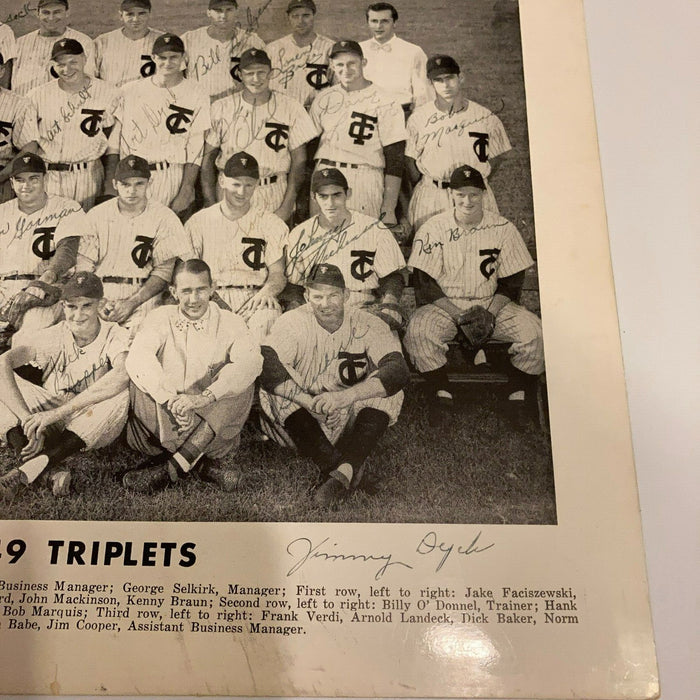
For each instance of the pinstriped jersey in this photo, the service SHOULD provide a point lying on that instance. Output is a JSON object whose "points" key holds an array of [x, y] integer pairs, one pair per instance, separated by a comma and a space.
{"points": [[28, 241], [17, 124], [120, 60], [468, 262], [125, 246], [8, 43], [70, 124], [440, 142], [300, 72], [363, 248], [355, 126], [268, 132], [33, 65], [238, 252], [213, 63]]}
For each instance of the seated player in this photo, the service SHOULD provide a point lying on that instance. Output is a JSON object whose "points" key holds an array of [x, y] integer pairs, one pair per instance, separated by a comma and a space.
{"points": [[332, 382], [362, 248], [192, 367], [470, 261], [243, 245], [131, 243], [83, 400]]}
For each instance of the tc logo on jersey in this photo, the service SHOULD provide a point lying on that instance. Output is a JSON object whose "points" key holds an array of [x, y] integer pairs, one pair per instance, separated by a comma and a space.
{"points": [[253, 255], [142, 253], [277, 136], [353, 367], [488, 264], [236, 69], [42, 245], [481, 145], [317, 76], [91, 124], [361, 268], [148, 67], [362, 129], [180, 115], [4, 132]]}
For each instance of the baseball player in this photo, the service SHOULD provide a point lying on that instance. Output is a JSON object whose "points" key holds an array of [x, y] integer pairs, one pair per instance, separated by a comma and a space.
{"points": [[75, 115], [192, 367], [33, 64], [131, 242], [39, 236], [8, 53], [300, 60], [83, 400], [332, 382], [393, 63], [362, 248], [124, 54], [268, 125], [243, 245], [213, 52], [471, 258], [445, 133], [163, 119], [362, 133]]}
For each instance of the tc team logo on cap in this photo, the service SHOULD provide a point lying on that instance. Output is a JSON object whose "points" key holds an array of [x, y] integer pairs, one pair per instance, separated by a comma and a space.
{"points": [[26, 159], [132, 162]]}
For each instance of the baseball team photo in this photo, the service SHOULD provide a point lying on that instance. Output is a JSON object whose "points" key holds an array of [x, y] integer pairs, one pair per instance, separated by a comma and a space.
{"points": [[269, 260]]}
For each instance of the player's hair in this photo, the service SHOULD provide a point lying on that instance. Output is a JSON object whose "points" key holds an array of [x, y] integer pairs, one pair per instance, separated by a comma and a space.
{"points": [[194, 266], [380, 7]]}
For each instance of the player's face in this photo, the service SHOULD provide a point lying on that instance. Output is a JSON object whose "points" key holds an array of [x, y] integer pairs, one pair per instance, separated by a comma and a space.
{"points": [[238, 191], [332, 201], [381, 24], [468, 202], [53, 19], [81, 314], [29, 187], [327, 302], [133, 190], [348, 68], [135, 19], [68, 67], [447, 86], [301, 20], [168, 62], [193, 292], [256, 78], [223, 17]]}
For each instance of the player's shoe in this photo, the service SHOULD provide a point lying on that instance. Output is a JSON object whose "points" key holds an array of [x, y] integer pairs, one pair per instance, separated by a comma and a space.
{"points": [[226, 479], [10, 483], [440, 405], [333, 490], [148, 479]]}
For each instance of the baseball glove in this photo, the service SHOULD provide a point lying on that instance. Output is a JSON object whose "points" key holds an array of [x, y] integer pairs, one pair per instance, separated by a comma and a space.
{"points": [[36, 293], [476, 325], [390, 313]]}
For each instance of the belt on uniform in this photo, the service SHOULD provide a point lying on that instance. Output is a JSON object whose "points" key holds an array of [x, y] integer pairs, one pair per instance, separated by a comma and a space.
{"points": [[269, 180], [66, 167], [238, 286], [161, 165], [123, 280], [334, 164], [19, 277], [442, 185]]}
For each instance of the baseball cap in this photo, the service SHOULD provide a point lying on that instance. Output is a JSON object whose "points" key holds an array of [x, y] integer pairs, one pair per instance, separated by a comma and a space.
{"points": [[441, 65], [28, 163], [44, 3], [66, 47], [346, 46], [253, 57], [83, 284], [306, 4], [213, 4], [242, 165], [328, 176], [132, 166], [465, 176], [324, 273], [128, 4], [168, 42]]}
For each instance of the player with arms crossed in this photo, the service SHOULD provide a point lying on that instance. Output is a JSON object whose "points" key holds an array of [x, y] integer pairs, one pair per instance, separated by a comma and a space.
{"points": [[332, 382], [83, 400], [132, 243], [445, 133], [163, 119], [75, 116], [243, 245], [124, 54], [33, 64], [193, 368], [362, 133], [213, 52], [469, 266]]}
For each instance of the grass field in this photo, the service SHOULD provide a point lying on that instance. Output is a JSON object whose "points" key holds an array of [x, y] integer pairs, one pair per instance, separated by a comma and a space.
{"points": [[476, 470]]}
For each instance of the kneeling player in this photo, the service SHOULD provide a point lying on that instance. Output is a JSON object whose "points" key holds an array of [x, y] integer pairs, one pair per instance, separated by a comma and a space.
{"points": [[83, 401], [192, 368], [332, 380]]}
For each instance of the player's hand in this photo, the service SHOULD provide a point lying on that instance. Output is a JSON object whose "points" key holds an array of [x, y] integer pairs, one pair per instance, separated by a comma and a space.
{"points": [[117, 310], [388, 218], [334, 420], [263, 299], [285, 212], [186, 422], [332, 401], [34, 427], [183, 199]]}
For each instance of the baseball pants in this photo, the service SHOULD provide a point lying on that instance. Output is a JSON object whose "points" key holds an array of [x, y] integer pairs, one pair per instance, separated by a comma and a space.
{"points": [[82, 184], [366, 189], [431, 328], [259, 322]]}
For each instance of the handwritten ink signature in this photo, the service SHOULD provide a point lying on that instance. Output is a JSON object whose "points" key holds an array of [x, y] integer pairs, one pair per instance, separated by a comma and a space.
{"points": [[430, 543], [26, 10]]}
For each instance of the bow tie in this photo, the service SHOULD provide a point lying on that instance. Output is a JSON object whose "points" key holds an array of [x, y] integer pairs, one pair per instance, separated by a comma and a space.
{"points": [[380, 47], [182, 324]]}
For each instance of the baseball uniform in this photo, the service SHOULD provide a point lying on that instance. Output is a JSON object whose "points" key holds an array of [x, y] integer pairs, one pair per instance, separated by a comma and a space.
{"points": [[355, 126], [8, 43], [300, 72], [239, 253], [213, 64], [439, 142], [33, 64], [120, 60], [467, 264], [268, 132], [72, 138], [362, 248]]}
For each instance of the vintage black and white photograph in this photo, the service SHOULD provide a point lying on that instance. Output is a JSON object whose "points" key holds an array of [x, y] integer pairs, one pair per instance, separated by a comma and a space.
{"points": [[269, 261]]}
